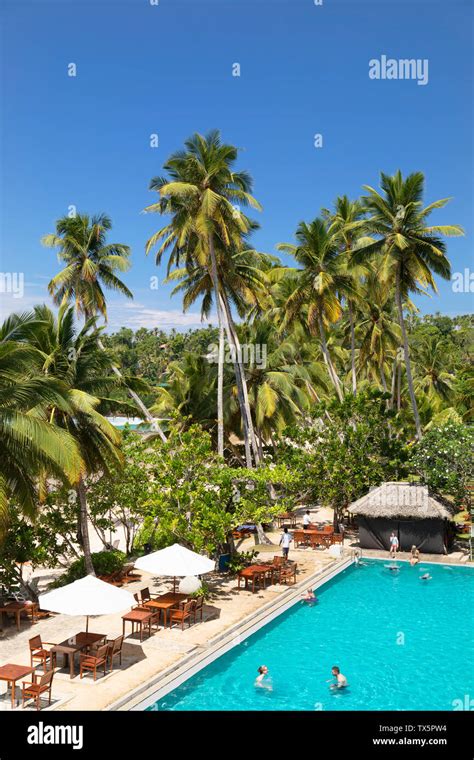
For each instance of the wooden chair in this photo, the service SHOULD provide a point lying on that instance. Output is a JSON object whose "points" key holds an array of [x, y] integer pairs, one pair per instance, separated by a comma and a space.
{"points": [[38, 652], [115, 650], [185, 613], [287, 572], [92, 661], [145, 595], [198, 607], [35, 688], [140, 605]]}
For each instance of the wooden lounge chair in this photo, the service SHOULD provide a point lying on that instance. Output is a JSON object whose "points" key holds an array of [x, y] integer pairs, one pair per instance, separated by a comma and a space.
{"points": [[92, 661], [38, 686], [128, 576], [38, 652], [115, 650], [180, 615]]}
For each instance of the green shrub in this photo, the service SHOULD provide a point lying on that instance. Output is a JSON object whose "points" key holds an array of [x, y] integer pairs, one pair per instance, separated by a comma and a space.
{"points": [[104, 563], [240, 560]]}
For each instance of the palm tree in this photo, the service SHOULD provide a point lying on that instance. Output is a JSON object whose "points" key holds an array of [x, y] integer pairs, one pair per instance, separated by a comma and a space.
{"points": [[242, 275], [91, 263], [377, 331], [319, 284], [83, 368], [411, 250], [348, 222], [29, 445], [432, 377], [199, 194]]}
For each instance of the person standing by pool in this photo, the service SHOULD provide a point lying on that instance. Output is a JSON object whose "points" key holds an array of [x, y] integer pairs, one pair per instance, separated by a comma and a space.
{"points": [[340, 681], [394, 545], [285, 541], [306, 520], [414, 556]]}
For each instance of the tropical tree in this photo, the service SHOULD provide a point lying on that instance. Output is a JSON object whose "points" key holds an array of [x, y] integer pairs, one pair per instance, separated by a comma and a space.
{"points": [[76, 361], [29, 445], [203, 194], [319, 284], [412, 252], [90, 264]]}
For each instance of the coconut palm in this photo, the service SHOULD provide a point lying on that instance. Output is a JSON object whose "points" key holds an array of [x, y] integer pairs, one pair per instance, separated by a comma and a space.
{"points": [[319, 284], [242, 276], [432, 378], [347, 220], [199, 194], [29, 445], [90, 264], [412, 251], [76, 360]]}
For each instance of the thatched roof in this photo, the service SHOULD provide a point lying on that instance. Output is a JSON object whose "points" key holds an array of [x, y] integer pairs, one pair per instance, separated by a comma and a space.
{"points": [[402, 500]]}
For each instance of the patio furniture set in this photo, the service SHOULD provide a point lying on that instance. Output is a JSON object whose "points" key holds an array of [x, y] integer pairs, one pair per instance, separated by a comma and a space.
{"points": [[277, 571]]}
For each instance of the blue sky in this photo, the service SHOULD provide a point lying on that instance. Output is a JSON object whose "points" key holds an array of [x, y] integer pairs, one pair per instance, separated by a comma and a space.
{"points": [[167, 69]]}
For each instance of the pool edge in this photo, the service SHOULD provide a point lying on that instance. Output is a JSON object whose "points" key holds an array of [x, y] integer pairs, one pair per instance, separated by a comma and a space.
{"points": [[170, 678]]}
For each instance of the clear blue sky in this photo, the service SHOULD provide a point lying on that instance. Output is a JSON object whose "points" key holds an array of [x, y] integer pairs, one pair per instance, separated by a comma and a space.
{"points": [[167, 69]]}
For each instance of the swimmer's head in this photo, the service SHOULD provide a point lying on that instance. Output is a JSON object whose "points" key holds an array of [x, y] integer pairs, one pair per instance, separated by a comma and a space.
{"points": [[263, 669], [335, 670]]}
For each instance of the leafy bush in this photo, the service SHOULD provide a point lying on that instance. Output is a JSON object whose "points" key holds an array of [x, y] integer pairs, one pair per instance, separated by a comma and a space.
{"points": [[240, 560], [105, 563]]}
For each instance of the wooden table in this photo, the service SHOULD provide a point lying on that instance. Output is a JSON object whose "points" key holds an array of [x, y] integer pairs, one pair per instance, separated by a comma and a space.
{"points": [[255, 573], [288, 517], [165, 602], [75, 644], [13, 673], [141, 618], [16, 608]]}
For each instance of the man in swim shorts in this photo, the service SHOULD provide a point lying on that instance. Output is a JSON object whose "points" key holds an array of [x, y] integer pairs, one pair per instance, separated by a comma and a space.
{"points": [[340, 681]]}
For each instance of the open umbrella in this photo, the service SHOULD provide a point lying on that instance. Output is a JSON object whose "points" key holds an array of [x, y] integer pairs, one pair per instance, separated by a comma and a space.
{"points": [[175, 561], [87, 596]]}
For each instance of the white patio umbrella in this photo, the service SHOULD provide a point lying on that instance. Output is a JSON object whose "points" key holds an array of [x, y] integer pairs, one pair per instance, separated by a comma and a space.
{"points": [[175, 561], [87, 596]]}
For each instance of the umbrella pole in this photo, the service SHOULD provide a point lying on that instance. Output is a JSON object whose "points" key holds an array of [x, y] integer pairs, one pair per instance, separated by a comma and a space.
{"points": [[87, 624]]}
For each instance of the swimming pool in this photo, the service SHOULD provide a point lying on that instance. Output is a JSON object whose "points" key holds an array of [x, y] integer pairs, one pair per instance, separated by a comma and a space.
{"points": [[402, 643]]}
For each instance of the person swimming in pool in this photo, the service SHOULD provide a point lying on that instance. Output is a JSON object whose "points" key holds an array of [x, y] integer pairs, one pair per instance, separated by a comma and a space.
{"points": [[260, 681], [393, 568], [310, 597], [340, 681], [425, 577]]}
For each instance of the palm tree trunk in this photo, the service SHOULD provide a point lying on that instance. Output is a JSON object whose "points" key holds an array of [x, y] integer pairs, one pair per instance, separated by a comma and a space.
{"points": [[332, 372], [223, 322], [236, 343], [399, 387], [84, 519], [353, 364], [382, 377], [393, 386], [220, 394], [406, 351], [148, 416]]}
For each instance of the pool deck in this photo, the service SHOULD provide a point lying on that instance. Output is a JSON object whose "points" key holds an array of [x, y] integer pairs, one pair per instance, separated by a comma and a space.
{"points": [[142, 662], [168, 657]]}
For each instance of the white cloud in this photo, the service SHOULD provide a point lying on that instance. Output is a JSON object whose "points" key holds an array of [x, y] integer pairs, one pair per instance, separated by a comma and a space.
{"points": [[135, 315]]}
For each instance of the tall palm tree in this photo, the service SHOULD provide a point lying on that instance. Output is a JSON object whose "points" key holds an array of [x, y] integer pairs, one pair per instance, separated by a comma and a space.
{"points": [[319, 284], [29, 445], [76, 360], [242, 276], [198, 194], [91, 263], [347, 220], [432, 377], [412, 251]]}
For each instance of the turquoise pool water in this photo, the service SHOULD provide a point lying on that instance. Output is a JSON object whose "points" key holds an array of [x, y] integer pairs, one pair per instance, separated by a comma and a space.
{"points": [[402, 643]]}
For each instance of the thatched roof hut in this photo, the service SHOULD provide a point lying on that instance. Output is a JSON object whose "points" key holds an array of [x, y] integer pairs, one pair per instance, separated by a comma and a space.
{"points": [[408, 509]]}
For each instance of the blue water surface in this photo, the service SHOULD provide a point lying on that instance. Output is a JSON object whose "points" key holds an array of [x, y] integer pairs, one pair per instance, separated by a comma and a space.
{"points": [[402, 643]]}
